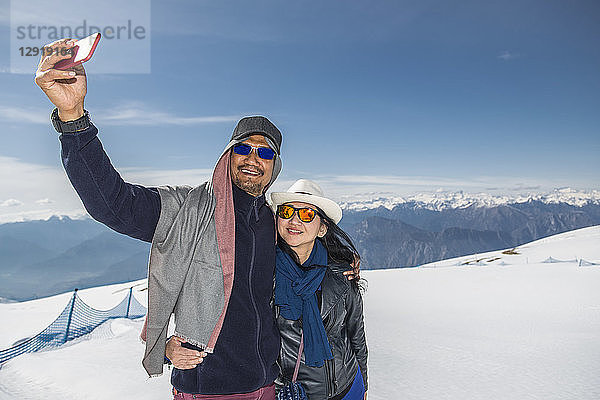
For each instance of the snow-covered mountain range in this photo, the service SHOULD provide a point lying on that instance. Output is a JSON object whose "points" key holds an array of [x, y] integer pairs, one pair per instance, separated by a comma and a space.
{"points": [[443, 200], [41, 258]]}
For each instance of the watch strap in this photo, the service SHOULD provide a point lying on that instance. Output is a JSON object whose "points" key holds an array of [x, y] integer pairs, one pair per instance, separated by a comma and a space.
{"points": [[80, 124]]}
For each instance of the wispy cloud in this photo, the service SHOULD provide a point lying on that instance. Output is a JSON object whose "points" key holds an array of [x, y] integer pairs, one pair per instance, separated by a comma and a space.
{"points": [[127, 114], [18, 114], [33, 185], [521, 187], [153, 177], [392, 180], [45, 201], [507, 55], [44, 190], [11, 203], [137, 113]]}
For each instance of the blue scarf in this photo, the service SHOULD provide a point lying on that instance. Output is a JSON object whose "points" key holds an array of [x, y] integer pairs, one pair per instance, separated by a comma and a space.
{"points": [[295, 295]]}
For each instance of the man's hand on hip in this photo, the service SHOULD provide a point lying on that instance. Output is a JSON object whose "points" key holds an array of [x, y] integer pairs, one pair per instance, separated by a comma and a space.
{"points": [[354, 273], [182, 357], [65, 89]]}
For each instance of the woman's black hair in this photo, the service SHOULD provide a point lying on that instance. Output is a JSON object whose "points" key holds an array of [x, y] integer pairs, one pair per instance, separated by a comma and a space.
{"points": [[340, 249]]}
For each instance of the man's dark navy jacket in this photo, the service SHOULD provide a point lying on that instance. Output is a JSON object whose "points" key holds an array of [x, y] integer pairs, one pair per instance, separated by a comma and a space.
{"points": [[245, 354]]}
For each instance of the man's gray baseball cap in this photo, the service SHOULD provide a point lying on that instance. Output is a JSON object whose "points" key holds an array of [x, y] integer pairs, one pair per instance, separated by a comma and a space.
{"points": [[258, 125]]}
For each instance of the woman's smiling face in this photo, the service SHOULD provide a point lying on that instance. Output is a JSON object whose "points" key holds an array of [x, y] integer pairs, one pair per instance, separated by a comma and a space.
{"points": [[300, 236]]}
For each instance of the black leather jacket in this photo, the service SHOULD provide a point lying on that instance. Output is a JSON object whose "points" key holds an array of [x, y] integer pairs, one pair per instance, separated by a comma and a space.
{"points": [[342, 313]]}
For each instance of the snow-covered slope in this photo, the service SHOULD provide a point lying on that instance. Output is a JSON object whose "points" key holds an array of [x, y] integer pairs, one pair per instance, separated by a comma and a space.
{"points": [[518, 331], [105, 364], [28, 318], [521, 329], [581, 245], [447, 200]]}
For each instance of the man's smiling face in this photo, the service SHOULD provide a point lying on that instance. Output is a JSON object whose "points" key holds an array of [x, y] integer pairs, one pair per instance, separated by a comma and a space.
{"points": [[250, 172]]}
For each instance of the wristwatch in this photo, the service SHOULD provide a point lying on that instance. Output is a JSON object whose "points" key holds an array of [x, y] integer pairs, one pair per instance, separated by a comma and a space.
{"points": [[80, 124]]}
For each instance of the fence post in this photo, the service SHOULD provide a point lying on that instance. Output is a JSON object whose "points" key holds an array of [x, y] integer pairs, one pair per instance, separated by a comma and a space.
{"points": [[129, 301], [70, 315]]}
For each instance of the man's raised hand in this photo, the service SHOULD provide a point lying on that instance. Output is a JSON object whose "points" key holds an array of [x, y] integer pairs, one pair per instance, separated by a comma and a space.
{"points": [[65, 89]]}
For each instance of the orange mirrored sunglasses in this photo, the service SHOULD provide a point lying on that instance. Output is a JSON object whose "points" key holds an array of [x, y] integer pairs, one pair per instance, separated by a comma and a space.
{"points": [[305, 214]]}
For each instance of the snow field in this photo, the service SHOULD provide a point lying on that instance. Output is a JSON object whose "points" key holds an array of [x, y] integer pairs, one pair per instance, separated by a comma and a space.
{"points": [[513, 328], [519, 332]]}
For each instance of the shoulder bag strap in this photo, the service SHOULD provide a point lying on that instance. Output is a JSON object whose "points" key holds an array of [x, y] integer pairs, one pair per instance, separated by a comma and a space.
{"points": [[299, 357]]}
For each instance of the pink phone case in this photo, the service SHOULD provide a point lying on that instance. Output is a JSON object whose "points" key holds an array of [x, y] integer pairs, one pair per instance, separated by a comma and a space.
{"points": [[70, 62]]}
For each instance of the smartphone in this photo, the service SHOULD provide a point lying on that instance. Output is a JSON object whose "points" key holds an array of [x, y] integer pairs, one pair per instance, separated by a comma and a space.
{"points": [[82, 52]]}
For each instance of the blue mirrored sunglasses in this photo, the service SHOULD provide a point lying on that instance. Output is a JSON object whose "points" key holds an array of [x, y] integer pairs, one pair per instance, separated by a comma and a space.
{"points": [[244, 149]]}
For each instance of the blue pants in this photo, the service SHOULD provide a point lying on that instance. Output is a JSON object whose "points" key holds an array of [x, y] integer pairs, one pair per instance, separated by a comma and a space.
{"points": [[357, 391]]}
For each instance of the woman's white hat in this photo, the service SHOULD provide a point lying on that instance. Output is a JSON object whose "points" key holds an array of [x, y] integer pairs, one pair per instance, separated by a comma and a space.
{"points": [[307, 191]]}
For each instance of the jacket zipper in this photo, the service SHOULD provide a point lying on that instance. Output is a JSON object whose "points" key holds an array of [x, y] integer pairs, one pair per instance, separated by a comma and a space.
{"points": [[331, 379], [262, 364]]}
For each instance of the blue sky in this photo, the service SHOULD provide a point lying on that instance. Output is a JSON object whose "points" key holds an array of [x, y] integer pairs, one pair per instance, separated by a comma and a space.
{"points": [[390, 96]]}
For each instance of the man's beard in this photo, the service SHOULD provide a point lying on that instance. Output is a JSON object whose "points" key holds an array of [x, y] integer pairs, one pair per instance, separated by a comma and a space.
{"points": [[247, 184], [253, 188]]}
